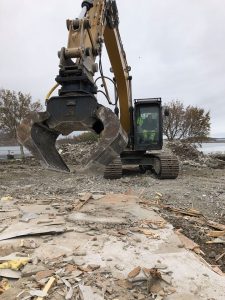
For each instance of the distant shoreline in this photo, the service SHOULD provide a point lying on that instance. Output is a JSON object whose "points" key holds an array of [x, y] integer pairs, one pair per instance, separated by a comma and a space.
{"points": [[11, 143]]}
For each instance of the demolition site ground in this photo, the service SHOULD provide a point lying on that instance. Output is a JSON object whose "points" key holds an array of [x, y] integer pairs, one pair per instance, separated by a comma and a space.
{"points": [[194, 204]]}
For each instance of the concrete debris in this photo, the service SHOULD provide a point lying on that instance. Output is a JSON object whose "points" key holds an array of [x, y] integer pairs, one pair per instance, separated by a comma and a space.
{"points": [[85, 197], [14, 256], [32, 231], [31, 269], [37, 293], [87, 293], [29, 244], [78, 153], [94, 239], [7, 273], [27, 216], [69, 293], [190, 155]]}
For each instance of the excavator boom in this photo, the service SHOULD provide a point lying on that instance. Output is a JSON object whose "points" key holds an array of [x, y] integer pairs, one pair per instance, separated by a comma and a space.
{"points": [[76, 107]]}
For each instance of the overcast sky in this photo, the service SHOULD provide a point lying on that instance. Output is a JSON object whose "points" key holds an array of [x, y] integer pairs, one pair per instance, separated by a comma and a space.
{"points": [[176, 48]]}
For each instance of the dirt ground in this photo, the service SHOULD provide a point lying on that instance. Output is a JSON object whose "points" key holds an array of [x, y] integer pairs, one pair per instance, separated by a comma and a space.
{"points": [[191, 203], [199, 188]]}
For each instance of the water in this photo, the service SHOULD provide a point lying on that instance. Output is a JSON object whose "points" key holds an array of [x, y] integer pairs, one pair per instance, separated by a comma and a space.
{"points": [[212, 147], [15, 150]]}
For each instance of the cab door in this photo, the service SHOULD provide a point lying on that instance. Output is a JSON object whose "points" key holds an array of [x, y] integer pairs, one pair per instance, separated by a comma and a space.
{"points": [[148, 124]]}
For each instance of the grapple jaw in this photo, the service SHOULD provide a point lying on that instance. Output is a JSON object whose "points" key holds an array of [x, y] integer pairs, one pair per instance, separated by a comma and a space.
{"points": [[40, 141], [65, 114]]}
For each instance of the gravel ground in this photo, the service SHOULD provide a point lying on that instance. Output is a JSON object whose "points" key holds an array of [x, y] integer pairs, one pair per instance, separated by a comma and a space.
{"points": [[198, 187]]}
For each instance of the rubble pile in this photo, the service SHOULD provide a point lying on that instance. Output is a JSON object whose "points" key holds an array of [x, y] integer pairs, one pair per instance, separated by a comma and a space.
{"points": [[104, 247], [78, 153], [188, 154], [185, 151]]}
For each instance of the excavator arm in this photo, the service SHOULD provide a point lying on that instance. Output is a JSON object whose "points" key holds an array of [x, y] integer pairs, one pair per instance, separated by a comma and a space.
{"points": [[76, 107]]}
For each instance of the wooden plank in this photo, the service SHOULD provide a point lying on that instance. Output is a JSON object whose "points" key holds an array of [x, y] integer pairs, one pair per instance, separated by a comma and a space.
{"points": [[47, 287]]}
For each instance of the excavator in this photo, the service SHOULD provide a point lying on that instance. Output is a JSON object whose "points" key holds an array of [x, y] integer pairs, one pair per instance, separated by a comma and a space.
{"points": [[131, 134]]}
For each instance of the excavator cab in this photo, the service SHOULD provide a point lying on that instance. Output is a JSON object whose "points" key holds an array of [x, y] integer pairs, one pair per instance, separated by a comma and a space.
{"points": [[148, 125]]}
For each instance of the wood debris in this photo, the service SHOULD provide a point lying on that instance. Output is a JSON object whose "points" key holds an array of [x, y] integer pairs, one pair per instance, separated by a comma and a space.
{"points": [[216, 233], [149, 233], [219, 257], [215, 269], [189, 244], [134, 273], [215, 225], [216, 241], [83, 200], [43, 274], [47, 287], [159, 224], [190, 212]]}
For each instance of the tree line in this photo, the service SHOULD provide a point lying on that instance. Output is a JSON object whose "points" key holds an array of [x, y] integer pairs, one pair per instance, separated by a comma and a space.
{"points": [[14, 106]]}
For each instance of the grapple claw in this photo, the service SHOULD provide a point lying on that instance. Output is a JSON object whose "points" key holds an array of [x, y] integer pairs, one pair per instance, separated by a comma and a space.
{"points": [[113, 140], [65, 114], [40, 141]]}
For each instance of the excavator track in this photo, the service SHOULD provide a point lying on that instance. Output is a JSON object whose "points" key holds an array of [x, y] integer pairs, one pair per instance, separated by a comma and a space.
{"points": [[114, 169], [166, 167]]}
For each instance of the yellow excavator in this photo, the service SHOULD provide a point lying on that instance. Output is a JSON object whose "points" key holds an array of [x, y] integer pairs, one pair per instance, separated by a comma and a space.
{"points": [[129, 134]]}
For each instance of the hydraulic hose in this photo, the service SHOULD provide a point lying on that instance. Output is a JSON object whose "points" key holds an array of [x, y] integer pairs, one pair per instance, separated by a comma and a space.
{"points": [[51, 91]]}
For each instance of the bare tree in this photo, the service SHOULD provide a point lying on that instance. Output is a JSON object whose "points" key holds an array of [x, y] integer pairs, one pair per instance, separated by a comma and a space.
{"points": [[13, 109], [189, 124]]}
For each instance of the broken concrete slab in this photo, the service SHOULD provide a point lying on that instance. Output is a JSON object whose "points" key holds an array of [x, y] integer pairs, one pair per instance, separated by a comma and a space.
{"points": [[86, 218], [127, 250], [14, 256], [87, 293], [31, 269], [7, 273], [12, 231]]}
